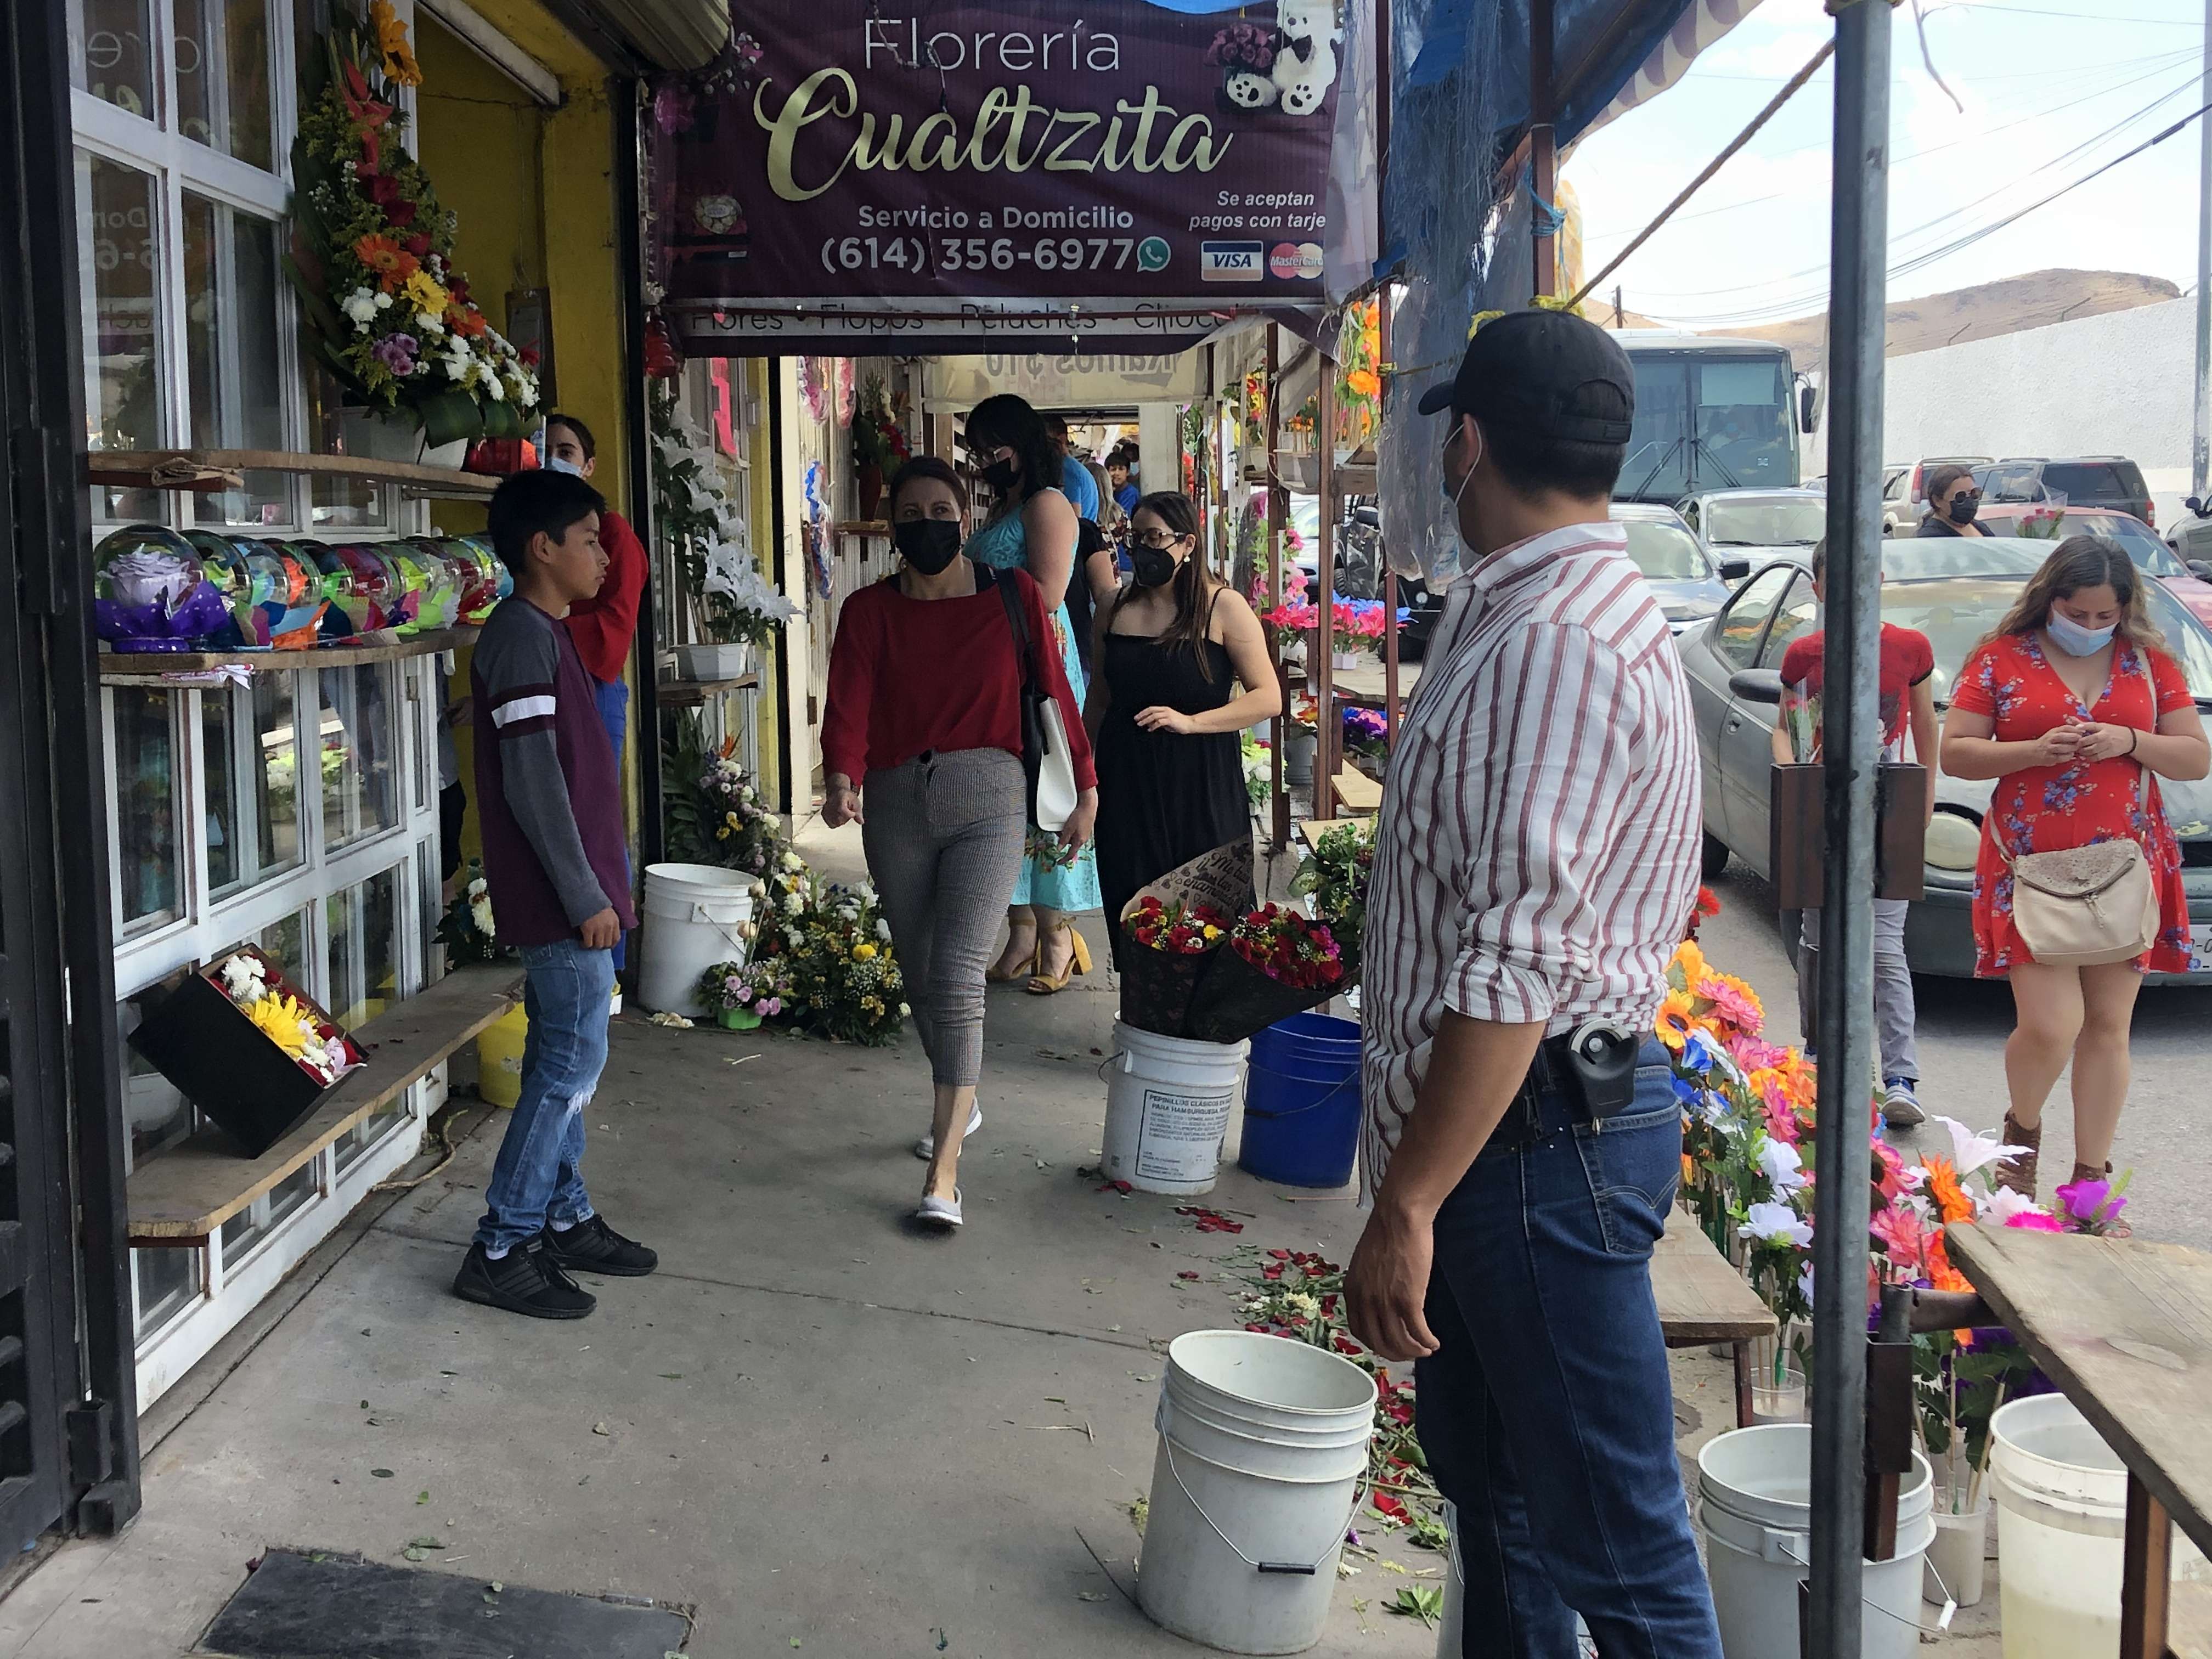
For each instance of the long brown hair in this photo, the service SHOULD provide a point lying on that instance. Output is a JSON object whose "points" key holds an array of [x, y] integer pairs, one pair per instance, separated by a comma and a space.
{"points": [[1194, 584], [2078, 563]]}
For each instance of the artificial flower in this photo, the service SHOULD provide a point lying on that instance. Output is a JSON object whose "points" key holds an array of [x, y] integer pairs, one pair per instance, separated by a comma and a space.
{"points": [[1779, 1162], [1734, 1003], [2093, 1204], [1775, 1224], [1951, 1200], [2003, 1204], [399, 65], [283, 1022], [2036, 1221], [1676, 1019], [1970, 1151], [1903, 1235]]}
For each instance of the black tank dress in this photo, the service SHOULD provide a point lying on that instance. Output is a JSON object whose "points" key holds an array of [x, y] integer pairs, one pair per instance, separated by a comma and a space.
{"points": [[1164, 798]]}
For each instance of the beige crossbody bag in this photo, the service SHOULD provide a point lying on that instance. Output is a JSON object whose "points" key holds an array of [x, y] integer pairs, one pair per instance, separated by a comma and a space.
{"points": [[2086, 905]]}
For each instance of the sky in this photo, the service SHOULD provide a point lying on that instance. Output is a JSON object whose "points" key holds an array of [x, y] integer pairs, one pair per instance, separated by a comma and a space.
{"points": [[2050, 89]]}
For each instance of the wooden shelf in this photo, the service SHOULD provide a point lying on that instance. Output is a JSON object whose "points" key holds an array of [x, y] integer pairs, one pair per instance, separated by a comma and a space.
{"points": [[181, 1196], [217, 468], [682, 693], [1360, 793], [862, 527], [137, 667]]}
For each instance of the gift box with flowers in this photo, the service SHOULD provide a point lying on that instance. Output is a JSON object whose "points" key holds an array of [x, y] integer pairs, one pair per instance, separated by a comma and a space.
{"points": [[246, 1046]]}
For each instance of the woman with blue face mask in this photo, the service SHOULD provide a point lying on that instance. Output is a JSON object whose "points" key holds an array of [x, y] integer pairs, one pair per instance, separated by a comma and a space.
{"points": [[2075, 709]]}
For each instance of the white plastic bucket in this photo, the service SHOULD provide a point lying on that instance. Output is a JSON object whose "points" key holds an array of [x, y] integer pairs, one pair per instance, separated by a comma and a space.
{"points": [[1168, 1106], [2062, 1498], [1263, 1447], [1755, 1508], [693, 914]]}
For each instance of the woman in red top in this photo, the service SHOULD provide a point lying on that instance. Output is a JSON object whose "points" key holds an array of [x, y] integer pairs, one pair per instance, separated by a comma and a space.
{"points": [[925, 713], [2075, 708]]}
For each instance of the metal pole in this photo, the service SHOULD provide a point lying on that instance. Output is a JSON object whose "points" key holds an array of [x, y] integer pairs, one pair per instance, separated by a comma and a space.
{"points": [[1858, 243], [2200, 447], [1319, 674], [1543, 146], [1279, 792]]}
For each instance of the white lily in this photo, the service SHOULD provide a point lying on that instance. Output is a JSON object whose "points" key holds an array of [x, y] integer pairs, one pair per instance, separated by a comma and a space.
{"points": [[1783, 1167], [1970, 1151]]}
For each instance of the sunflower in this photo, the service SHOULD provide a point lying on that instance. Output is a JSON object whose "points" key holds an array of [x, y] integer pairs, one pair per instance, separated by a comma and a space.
{"points": [[282, 1021], [1677, 1018], [399, 65], [1690, 961]]}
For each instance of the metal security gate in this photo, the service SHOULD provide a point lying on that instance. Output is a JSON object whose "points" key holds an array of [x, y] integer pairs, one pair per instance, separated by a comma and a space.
{"points": [[68, 1419]]}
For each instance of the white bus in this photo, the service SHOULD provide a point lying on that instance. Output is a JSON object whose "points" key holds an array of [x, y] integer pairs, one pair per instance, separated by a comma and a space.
{"points": [[1711, 414]]}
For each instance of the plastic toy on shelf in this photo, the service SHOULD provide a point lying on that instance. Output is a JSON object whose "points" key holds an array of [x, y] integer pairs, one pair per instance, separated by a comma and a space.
{"points": [[489, 580], [366, 592], [432, 578], [151, 592], [274, 601]]}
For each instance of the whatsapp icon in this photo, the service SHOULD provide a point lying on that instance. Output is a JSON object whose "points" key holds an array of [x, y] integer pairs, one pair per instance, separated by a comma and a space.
{"points": [[1152, 253]]}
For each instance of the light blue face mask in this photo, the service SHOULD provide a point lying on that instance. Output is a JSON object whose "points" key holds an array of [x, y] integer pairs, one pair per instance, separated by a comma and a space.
{"points": [[2075, 639], [559, 463]]}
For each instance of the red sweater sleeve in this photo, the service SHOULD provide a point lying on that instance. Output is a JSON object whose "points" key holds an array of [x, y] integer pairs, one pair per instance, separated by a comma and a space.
{"points": [[850, 705], [1052, 666], [602, 626]]}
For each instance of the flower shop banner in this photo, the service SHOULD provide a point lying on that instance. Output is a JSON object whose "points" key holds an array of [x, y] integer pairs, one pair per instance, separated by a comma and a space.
{"points": [[1125, 177]]}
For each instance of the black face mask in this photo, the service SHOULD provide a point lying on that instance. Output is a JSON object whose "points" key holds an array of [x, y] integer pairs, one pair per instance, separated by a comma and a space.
{"points": [[1002, 475], [1963, 510], [1153, 567], [928, 544]]}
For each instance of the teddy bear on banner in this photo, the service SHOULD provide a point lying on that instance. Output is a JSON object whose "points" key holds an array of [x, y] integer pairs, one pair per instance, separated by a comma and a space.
{"points": [[1289, 65]]}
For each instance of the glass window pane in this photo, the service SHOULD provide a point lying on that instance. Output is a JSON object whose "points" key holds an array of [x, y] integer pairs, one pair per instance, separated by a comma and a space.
{"points": [[364, 1136], [111, 51], [222, 76], [276, 784], [167, 1281], [284, 942], [158, 1115], [145, 806], [117, 226], [337, 504], [361, 786], [294, 1192], [230, 353], [219, 769], [1737, 637], [364, 924]]}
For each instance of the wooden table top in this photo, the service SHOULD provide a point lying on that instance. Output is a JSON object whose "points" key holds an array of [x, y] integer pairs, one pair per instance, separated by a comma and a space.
{"points": [[1702, 1299], [2126, 1330]]}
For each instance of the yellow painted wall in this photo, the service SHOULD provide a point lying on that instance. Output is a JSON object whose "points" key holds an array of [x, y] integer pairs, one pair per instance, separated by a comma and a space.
{"points": [[761, 509]]}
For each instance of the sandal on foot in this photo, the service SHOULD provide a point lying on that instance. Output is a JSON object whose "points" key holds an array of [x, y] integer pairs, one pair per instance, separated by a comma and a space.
{"points": [[2017, 1173], [1043, 984]]}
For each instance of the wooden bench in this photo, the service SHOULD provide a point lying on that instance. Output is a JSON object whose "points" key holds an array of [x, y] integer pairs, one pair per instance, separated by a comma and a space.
{"points": [[1359, 794], [2125, 1331], [1703, 1300], [181, 1196]]}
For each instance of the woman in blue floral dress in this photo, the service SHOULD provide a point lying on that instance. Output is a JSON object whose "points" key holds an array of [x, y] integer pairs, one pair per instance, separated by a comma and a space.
{"points": [[2075, 708], [1033, 527]]}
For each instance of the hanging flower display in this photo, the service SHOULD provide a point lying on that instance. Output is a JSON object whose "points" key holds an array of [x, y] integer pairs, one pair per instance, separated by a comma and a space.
{"points": [[384, 306]]}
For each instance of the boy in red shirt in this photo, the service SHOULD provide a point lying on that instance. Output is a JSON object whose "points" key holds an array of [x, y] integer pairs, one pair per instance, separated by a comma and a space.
{"points": [[1908, 704], [601, 627]]}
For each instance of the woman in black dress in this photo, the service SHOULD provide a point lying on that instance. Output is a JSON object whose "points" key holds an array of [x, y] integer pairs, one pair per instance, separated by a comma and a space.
{"points": [[1164, 712]]}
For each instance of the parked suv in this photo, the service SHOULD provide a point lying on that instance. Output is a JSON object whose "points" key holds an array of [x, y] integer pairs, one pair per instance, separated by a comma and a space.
{"points": [[2110, 481]]}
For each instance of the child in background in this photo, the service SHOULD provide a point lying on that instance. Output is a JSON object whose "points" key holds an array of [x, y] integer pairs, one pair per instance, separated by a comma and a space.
{"points": [[1908, 704]]}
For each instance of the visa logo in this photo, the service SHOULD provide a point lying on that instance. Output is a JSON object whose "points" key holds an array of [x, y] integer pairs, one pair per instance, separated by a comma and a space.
{"points": [[1231, 262]]}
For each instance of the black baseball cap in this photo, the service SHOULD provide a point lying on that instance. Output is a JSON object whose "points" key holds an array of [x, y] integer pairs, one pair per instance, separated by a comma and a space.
{"points": [[1548, 371]]}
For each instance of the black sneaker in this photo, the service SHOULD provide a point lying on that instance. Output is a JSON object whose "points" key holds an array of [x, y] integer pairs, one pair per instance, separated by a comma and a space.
{"points": [[526, 1280], [592, 1247]]}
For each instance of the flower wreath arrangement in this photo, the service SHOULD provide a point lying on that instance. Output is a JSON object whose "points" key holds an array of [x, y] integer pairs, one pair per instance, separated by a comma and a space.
{"points": [[287, 1019], [371, 259], [824, 952]]}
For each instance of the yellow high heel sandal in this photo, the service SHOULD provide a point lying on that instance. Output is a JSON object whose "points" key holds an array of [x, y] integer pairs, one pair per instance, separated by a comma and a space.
{"points": [[1043, 984], [1021, 971]]}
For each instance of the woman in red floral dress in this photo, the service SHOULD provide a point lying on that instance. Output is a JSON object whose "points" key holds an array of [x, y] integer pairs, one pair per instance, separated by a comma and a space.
{"points": [[2075, 708]]}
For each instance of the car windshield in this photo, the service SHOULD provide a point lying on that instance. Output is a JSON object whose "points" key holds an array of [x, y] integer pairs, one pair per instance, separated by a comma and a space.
{"points": [[1664, 551], [1922, 558], [2152, 556], [1769, 521], [1957, 614]]}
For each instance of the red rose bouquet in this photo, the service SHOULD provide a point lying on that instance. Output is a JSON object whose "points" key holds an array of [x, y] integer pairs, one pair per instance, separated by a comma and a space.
{"points": [[1165, 946], [1279, 963]]}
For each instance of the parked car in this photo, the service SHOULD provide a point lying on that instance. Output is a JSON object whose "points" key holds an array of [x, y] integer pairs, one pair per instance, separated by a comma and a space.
{"points": [[2191, 538], [1689, 582], [1726, 519], [2085, 480], [2152, 556], [1904, 489], [1733, 664]]}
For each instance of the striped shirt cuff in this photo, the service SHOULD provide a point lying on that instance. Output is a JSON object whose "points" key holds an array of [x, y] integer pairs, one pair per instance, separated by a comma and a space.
{"points": [[1481, 987]]}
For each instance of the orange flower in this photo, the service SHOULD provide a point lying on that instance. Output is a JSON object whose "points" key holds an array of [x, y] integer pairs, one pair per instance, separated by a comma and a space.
{"points": [[1363, 383], [392, 264], [1951, 1200], [465, 320]]}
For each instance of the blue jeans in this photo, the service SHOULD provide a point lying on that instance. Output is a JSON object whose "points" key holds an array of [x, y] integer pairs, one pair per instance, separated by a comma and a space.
{"points": [[1546, 1412], [537, 1177], [613, 697]]}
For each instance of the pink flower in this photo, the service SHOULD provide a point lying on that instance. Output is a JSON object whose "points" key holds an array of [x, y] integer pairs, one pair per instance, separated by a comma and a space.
{"points": [[2035, 1221], [1731, 1005], [1753, 1055]]}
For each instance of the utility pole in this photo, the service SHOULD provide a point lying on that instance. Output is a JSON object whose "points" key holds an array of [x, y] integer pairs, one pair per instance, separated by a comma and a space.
{"points": [[2200, 449], [1616, 287]]}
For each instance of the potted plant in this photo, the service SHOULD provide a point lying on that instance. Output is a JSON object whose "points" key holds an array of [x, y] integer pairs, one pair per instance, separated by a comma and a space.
{"points": [[739, 995], [878, 445], [383, 306]]}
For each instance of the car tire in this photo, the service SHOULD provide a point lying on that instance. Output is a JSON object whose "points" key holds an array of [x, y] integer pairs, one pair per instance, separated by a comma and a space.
{"points": [[1712, 856]]}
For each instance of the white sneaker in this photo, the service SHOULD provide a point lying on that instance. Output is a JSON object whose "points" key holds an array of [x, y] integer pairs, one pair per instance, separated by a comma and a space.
{"points": [[939, 1212], [926, 1147]]}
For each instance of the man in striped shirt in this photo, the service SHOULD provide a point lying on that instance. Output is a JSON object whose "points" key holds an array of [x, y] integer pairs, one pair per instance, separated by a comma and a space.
{"points": [[1535, 864]]}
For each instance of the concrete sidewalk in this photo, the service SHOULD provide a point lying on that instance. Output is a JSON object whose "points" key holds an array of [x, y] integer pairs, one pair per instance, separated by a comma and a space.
{"points": [[812, 1426]]}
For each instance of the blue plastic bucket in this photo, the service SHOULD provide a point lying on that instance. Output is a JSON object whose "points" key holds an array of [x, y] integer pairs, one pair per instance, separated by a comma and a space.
{"points": [[1302, 1102]]}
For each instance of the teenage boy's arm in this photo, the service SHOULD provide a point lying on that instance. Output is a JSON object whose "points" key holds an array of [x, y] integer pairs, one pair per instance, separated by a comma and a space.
{"points": [[520, 669]]}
